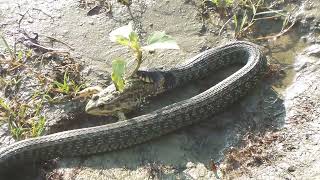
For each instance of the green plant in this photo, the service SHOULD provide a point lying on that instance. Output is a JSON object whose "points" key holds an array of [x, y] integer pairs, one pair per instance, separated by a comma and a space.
{"points": [[8, 47], [16, 130], [63, 87], [38, 123], [67, 87], [118, 66], [252, 11], [126, 36], [38, 126], [17, 58], [24, 120]]}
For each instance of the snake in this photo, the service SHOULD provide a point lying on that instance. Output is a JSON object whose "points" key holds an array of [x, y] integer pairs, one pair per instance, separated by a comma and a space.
{"points": [[139, 129]]}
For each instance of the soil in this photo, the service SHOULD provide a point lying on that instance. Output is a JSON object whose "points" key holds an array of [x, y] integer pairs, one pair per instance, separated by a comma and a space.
{"points": [[270, 134]]}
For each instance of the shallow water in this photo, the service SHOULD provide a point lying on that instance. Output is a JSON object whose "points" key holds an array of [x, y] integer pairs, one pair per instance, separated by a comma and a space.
{"points": [[284, 51], [260, 111]]}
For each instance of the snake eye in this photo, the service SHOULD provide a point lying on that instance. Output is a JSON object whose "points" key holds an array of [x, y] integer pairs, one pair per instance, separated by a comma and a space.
{"points": [[95, 97]]}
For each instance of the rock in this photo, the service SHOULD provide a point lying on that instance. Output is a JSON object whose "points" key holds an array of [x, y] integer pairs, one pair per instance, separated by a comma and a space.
{"points": [[292, 168]]}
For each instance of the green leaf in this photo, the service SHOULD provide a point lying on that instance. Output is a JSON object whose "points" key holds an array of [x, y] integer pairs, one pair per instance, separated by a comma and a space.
{"points": [[215, 2], [29, 53], [22, 111], [20, 55], [133, 37], [118, 70], [38, 127], [254, 10], [7, 46], [122, 40], [244, 20], [229, 3], [134, 41], [4, 105], [160, 40], [235, 19], [158, 36]]}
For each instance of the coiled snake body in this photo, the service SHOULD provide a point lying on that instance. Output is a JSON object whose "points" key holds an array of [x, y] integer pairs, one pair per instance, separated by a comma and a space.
{"points": [[157, 123]]}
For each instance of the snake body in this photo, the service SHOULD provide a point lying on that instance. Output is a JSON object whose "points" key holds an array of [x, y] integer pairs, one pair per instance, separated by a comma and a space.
{"points": [[143, 128]]}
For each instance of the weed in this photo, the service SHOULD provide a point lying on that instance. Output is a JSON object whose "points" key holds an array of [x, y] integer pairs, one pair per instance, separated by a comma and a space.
{"points": [[38, 126], [23, 116], [8, 47], [246, 13], [24, 120], [126, 36], [67, 87], [250, 15]]}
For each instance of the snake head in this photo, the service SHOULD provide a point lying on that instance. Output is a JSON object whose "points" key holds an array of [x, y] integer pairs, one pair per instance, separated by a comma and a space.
{"points": [[109, 101]]}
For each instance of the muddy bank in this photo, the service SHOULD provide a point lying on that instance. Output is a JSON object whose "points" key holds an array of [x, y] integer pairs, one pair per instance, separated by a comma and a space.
{"points": [[185, 154]]}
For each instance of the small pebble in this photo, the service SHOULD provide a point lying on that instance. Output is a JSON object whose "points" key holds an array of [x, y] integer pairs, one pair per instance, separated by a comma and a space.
{"points": [[291, 168], [91, 22]]}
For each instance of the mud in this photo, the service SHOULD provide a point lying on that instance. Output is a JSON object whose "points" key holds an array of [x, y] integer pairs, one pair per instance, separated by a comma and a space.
{"points": [[278, 104]]}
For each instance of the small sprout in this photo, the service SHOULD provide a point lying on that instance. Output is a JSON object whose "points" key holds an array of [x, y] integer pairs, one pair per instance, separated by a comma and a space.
{"points": [[20, 55], [4, 105], [29, 53], [122, 40], [126, 36], [64, 86], [134, 41], [22, 119], [38, 126], [8, 47], [118, 70], [244, 21], [68, 87], [16, 130]]}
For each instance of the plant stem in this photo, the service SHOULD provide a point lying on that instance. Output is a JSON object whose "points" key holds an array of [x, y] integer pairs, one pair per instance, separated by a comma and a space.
{"points": [[139, 61], [8, 47]]}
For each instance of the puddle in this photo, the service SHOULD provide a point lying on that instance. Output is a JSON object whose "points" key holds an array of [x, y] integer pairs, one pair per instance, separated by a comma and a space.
{"points": [[283, 52], [261, 110]]}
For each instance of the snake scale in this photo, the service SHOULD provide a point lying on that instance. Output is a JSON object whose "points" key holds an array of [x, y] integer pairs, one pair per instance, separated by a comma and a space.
{"points": [[143, 128]]}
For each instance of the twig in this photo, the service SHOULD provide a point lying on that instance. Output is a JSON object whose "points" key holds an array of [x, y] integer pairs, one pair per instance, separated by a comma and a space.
{"points": [[33, 42], [22, 17], [44, 48], [16, 67], [224, 25], [27, 12], [36, 9], [264, 18], [59, 41]]}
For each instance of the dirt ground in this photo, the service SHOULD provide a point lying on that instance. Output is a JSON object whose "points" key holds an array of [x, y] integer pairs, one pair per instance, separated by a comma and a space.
{"points": [[270, 134]]}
